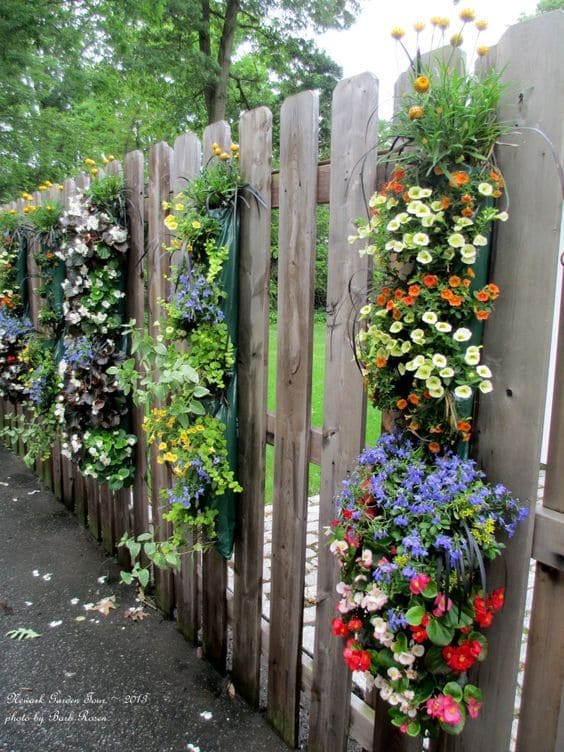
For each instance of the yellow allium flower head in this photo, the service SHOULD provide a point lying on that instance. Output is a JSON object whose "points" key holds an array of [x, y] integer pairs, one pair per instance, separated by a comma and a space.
{"points": [[196, 225], [89, 162], [94, 171], [436, 20], [42, 187], [467, 15], [418, 26], [397, 32], [483, 50], [234, 147], [481, 24], [61, 187], [224, 156], [111, 157], [443, 23], [456, 40], [12, 211]]}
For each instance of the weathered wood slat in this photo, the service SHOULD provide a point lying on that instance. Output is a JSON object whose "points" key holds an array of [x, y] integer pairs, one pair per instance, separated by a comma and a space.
{"points": [[354, 131], [214, 566], [548, 538], [158, 265], [255, 134], [516, 345], [315, 438], [296, 269], [323, 184], [186, 165], [135, 302]]}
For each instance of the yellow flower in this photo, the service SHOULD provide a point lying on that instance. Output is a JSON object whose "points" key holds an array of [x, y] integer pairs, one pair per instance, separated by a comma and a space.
{"points": [[416, 112], [467, 15], [481, 24], [165, 205], [418, 26], [170, 222], [170, 457], [421, 84], [89, 162], [224, 156], [94, 171], [106, 160], [42, 187], [443, 23], [436, 20], [456, 40], [397, 32], [160, 460], [196, 225], [483, 50], [162, 446], [60, 187], [26, 210], [12, 211], [234, 147], [179, 207], [215, 145], [111, 157]]}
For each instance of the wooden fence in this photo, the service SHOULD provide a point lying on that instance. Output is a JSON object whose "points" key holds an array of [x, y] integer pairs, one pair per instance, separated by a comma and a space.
{"points": [[509, 430]]}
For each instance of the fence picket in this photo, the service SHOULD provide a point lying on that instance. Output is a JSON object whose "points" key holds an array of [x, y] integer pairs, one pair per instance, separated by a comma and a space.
{"points": [[296, 269], [186, 165], [158, 265], [135, 301], [214, 566], [255, 134], [354, 133], [511, 420]]}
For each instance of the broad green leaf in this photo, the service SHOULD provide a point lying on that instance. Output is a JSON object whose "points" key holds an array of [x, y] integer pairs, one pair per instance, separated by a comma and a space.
{"points": [[415, 615], [454, 690], [438, 633]]}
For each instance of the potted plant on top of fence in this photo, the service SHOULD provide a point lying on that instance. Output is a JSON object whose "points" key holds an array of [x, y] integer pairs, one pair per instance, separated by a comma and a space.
{"points": [[416, 520]]}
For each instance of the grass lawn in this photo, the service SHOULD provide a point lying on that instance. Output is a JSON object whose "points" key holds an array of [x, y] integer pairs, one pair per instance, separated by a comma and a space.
{"points": [[373, 417]]}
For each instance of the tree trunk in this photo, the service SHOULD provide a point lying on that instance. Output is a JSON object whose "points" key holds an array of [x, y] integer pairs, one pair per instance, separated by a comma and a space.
{"points": [[224, 59]]}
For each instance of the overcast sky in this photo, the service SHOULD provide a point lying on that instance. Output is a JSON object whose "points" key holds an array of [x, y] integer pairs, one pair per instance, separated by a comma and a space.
{"points": [[367, 46]]}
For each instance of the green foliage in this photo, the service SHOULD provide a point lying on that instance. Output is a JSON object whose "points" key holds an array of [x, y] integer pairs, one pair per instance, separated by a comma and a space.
{"points": [[107, 455], [211, 354], [46, 217], [107, 195]]}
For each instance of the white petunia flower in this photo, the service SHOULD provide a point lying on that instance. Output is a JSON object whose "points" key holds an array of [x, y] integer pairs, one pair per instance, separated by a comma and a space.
{"points": [[430, 317], [462, 335], [446, 373], [439, 360], [472, 355], [480, 240], [484, 372], [443, 326], [463, 392], [393, 225], [424, 257], [456, 240], [485, 189], [485, 387], [502, 216], [421, 238], [396, 327]]}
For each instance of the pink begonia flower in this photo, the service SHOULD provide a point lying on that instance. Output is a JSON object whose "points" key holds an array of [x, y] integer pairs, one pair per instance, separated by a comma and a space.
{"points": [[418, 583], [346, 604], [473, 707], [445, 708], [442, 605], [343, 588], [374, 599], [365, 560], [339, 547]]}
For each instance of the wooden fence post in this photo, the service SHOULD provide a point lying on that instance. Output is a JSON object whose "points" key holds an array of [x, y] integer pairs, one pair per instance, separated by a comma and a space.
{"points": [[255, 136], [135, 301], [296, 269], [354, 133], [214, 566], [516, 345], [186, 165], [158, 265]]}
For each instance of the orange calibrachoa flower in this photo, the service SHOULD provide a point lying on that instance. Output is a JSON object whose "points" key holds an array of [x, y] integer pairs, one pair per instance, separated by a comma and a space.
{"points": [[454, 281], [434, 447], [430, 280], [381, 362], [445, 202], [455, 300], [467, 212], [416, 112], [459, 178], [494, 290], [399, 293], [408, 300], [446, 294], [483, 296], [421, 84], [467, 282], [401, 404], [413, 425], [463, 425], [413, 399], [482, 315], [414, 291], [467, 199]]}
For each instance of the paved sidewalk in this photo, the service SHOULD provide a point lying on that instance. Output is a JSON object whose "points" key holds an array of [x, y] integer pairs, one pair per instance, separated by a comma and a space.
{"points": [[91, 681]]}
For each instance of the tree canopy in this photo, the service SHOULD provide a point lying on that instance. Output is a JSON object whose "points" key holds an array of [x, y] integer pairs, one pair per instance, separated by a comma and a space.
{"points": [[83, 77]]}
